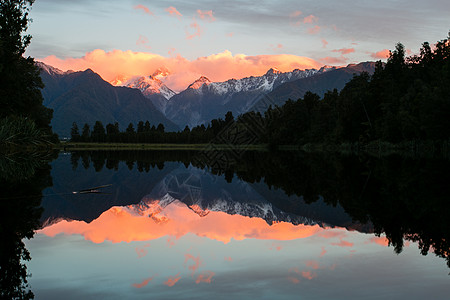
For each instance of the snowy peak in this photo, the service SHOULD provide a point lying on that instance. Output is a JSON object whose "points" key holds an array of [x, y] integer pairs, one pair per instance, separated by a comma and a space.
{"points": [[119, 80], [150, 85], [199, 83], [273, 71], [51, 70], [161, 73]]}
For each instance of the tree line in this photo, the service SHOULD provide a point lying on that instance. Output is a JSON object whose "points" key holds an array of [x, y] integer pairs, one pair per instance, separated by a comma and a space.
{"points": [[144, 132]]}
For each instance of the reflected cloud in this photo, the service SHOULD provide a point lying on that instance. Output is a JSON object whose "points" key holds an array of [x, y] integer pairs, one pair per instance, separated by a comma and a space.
{"points": [[323, 252], [313, 264], [143, 283], [309, 275], [126, 224], [343, 243], [172, 280], [206, 277], [196, 260], [141, 252]]}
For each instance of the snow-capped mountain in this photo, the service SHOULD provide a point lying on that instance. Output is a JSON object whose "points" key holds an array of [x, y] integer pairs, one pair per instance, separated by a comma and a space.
{"points": [[51, 70], [199, 83], [204, 193], [204, 100], [150, 85]]}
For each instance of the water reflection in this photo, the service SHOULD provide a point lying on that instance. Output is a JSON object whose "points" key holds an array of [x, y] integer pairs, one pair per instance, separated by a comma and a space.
{"points": [[273, 220], [22, 179]]}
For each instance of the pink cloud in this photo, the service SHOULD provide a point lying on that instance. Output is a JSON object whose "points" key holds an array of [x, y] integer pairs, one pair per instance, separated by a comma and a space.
{"points": [[309, 275], [314, 30], [383, 54], [197, 262], [172, 280], [228, 258], [197, 31], [344, 51], [324, 43], [330, 60], [343, 243], [143, 283], [145, 9], [143, 41], [323, 252], [206, 15], [230, 34], [310, 19], [173, 12], [205, 277]]}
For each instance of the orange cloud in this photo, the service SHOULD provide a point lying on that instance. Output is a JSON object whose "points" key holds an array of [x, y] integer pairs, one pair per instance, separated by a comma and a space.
{"points": [[379, 240], [205, 277], [143, 41], [323, 252], [143, 283], [309, 275], [197, 31], [144, 8], [228, 258], [172, 280], [173, 12], [310, 19], [120, 224], [206, 15], [217, 67], [383, 54], [197, 262], [314, 30], [344, 51], [324, 43]]}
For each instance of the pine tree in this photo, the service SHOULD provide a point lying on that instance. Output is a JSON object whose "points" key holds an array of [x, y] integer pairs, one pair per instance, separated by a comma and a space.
{"points": [[75, 133], [20, 82]]}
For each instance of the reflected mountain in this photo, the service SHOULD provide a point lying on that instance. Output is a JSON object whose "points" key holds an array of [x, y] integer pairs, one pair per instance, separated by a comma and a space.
{"points": [[405, 198]]}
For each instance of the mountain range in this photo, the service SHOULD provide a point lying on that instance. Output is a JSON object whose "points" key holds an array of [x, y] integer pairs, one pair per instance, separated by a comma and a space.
{"points": [[204, 100], [85, 97]]}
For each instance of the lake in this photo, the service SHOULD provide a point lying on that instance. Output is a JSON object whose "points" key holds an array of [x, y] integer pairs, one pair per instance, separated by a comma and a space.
{"points": [[224, 224]]}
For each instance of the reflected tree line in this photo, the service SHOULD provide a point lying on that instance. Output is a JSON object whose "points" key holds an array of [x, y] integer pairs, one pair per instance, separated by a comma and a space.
{"points": [[404, 198], [22, 178]]}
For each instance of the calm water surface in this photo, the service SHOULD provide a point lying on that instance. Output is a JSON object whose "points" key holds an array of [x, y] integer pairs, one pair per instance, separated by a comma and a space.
{"points": [[179, 225]]}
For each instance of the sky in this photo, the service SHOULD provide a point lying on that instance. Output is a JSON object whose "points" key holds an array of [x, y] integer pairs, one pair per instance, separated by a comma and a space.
{"points": [[226, 39]]}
